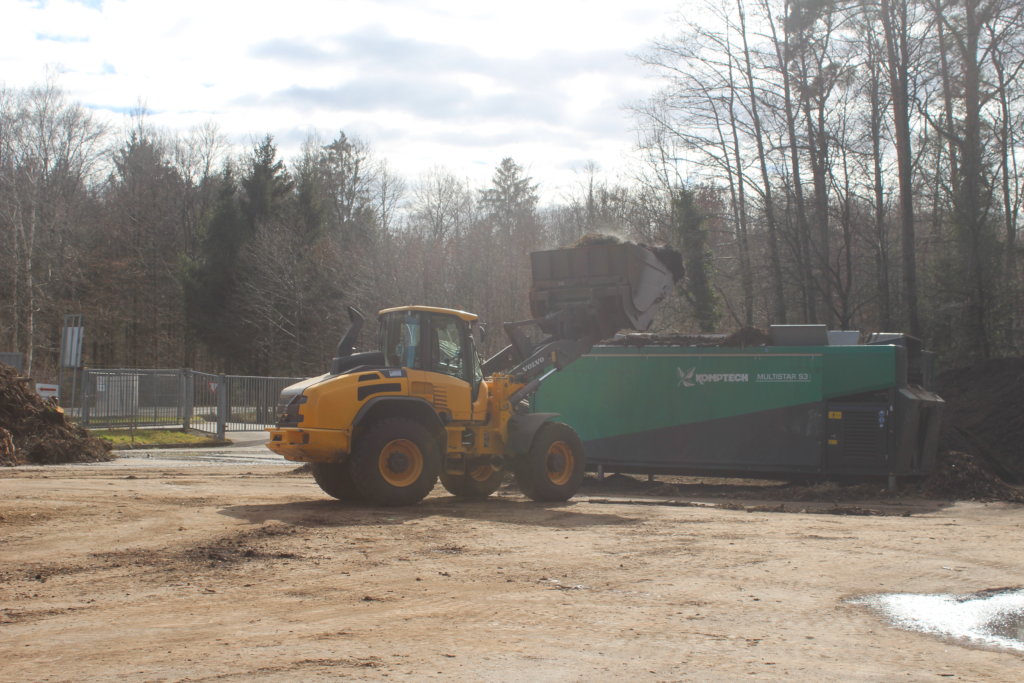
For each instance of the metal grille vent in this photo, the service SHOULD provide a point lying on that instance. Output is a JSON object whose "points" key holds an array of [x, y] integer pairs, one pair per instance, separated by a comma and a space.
{"points": [[862, 436], [440, 397]]}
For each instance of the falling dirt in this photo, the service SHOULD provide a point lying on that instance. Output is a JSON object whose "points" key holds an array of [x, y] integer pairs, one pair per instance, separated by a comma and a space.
{"points": [[670, 257]]}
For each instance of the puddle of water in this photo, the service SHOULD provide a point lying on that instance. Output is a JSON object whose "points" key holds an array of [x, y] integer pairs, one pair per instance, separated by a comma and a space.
{"points": [[1008, 626], [993, 617]]}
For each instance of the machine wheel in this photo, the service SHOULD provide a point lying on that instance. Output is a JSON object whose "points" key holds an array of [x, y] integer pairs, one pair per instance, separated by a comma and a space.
{"points": [[552, 470], [396, 462], [335, 480], [479, 482]]}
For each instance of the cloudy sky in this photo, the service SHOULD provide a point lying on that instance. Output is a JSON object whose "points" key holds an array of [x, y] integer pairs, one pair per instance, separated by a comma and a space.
{"points": [[452, 83]]}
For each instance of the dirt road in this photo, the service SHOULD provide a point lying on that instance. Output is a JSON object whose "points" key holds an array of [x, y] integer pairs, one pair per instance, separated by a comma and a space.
{"points": [[247, 572]]}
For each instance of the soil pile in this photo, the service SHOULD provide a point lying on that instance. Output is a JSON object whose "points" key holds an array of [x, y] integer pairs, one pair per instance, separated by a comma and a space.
{"points": [[35, 431], [745, 337], [959, 476], [984, 413], [641, 339]]}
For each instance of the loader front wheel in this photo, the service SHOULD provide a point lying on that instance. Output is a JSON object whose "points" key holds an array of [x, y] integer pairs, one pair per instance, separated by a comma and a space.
{"points": [[396, 462], [552, 469], [336, 480], [479, 482]]}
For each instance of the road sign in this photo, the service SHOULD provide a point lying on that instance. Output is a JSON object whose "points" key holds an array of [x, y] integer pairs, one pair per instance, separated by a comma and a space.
{"points": [[48, 390]]}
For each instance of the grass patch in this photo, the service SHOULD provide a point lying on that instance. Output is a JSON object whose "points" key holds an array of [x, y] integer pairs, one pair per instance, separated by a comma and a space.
{"points": [[128, 421], [151, 437]]}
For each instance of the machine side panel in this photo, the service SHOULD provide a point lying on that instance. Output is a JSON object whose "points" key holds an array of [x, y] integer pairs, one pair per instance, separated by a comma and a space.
{"points": [[614, 391], [781, 440], [691, 408]]}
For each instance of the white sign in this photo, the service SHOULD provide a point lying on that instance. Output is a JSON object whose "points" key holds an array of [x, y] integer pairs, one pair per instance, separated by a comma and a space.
{"points": [[71, 346], [48, 390]]}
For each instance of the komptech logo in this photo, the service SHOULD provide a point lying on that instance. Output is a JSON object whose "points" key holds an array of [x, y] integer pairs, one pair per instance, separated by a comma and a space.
{"points": [[692, 378]]}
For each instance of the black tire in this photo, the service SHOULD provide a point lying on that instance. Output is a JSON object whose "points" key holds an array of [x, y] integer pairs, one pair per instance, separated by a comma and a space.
{"points": [[336, 480], [395, 462], [552, 470], [478, 483]]}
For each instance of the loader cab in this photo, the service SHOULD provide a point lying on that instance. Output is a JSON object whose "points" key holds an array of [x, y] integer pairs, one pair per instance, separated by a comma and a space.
{"points": [[433, 340]]}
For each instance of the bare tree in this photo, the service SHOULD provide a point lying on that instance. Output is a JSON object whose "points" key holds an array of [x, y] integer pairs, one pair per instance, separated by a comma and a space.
{"points": [[897, 31], [971, 35], [51, 149]]}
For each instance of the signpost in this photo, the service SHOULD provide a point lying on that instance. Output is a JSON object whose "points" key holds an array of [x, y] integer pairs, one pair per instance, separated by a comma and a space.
{"points": [[72, 335]]}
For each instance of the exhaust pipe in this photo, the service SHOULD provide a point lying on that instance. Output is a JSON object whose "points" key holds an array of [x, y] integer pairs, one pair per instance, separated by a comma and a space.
{"points": [[348, 342]]}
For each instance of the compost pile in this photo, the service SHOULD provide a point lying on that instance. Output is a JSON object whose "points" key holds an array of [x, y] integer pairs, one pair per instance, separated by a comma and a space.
{"points": [[34, 431], [959, 476], [984, 414], [743, 338]]}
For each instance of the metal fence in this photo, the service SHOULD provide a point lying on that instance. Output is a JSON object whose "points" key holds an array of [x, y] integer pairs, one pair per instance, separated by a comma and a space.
{"points": [[187, 398]]}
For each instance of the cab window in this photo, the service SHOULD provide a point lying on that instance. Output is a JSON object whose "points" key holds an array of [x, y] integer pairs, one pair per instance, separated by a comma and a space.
{"points": [[400, 340], [447, 344]]}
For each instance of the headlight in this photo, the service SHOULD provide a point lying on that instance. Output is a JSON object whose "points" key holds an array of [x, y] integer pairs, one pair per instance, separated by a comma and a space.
{"points": [[288, 409]]}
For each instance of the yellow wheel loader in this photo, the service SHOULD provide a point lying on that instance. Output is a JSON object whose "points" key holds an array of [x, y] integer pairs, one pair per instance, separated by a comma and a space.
{"points": [[382, 426]]}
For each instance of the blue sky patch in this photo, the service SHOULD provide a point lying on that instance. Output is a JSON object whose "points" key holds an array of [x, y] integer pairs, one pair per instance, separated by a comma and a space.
{"points": [[62, 39]]}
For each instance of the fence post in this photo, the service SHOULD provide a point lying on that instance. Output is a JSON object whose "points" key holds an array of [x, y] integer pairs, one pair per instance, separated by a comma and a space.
{"points": [[188, 385], [84, 410], [222, 405]]}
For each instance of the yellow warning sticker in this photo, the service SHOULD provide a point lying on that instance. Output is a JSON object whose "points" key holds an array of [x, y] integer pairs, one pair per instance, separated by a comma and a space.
{"points": [[835, 415], [833, 442]]}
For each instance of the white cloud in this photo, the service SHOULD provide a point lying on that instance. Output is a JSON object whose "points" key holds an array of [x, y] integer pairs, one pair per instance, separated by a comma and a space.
{"points": [[457, 83]]}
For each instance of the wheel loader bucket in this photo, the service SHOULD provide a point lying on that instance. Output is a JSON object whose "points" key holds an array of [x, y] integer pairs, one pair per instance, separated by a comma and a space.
{"points": [[609, 286]]}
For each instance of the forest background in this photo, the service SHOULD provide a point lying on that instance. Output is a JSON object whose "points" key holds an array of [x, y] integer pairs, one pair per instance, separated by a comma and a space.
{"points": [[815, 161]]}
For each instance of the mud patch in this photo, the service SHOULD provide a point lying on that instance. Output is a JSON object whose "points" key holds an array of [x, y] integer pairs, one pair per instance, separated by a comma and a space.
{"points": [[13, 616], [305, 469], [219, 554], [957, 476], [244, 547], [854, 510], [991, 618]]}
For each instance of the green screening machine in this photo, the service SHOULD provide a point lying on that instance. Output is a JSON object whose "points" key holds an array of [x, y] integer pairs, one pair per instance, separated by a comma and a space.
{"points": [[811, 402]]}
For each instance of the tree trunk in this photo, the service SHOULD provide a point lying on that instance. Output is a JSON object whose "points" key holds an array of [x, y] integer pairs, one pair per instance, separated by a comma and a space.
{"points": [[881, 247], [778, 292], [896, 41]]}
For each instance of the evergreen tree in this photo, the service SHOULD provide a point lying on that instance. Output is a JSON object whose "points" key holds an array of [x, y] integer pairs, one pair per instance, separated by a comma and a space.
{"points": [[691, 235], [510, 204], [265, 185], [209, 281]]}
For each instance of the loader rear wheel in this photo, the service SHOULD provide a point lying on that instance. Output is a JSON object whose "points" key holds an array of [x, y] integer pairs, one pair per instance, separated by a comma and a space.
{"points": [[396, 462], [479, 482], [336, 480], [552, 470]]}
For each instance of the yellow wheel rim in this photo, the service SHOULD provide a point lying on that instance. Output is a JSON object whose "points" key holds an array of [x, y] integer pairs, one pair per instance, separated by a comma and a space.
{"points": [[400, 462], [560, 463], [481, 473]]}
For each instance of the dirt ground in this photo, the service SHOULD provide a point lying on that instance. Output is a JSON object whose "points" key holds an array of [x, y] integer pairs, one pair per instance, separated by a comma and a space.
{"points": [[240, 573]]}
